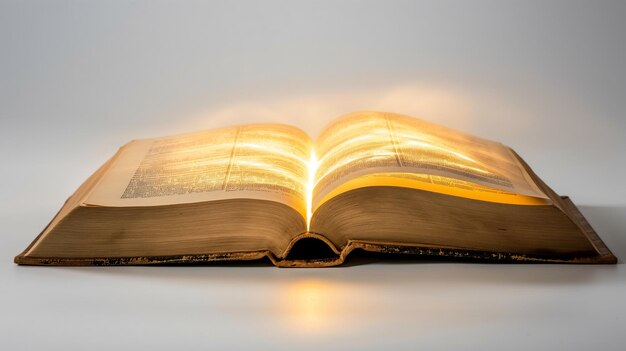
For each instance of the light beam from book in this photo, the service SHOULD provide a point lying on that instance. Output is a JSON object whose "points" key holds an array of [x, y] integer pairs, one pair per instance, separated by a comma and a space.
{"points": [[312, 165]]}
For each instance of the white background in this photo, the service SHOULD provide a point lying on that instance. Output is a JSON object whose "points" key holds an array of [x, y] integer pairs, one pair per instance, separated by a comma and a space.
{"points": [[78, 79]]}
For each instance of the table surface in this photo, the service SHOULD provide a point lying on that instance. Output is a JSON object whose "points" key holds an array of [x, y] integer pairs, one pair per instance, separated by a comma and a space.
{"points": [[79, 79]]}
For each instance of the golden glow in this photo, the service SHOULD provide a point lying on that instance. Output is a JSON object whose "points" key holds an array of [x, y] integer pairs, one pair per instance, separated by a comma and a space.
{"points": [[265, 162], [312, 166], [308, 305], [358, 145], [382, 153], [426, 145], [272, 150], [373, 135], [422, 182], [387, 140], [277, 163], [271, 168]]}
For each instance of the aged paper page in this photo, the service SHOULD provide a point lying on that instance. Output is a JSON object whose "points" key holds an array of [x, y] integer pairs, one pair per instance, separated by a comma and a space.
{"points": [[368, 143], [267, 162]]}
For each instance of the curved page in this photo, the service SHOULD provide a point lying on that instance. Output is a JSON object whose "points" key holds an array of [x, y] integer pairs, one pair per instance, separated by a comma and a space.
{"points": [[368, 143], [267, 162]]}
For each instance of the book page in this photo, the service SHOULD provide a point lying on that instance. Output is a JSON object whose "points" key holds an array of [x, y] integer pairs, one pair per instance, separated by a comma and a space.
{"points": [[437, 184], [266, 162], [368, 143]]}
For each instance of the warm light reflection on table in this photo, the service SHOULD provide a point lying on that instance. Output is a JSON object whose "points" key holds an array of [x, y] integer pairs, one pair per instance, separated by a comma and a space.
{"points": [[318, 307], [308, 304]]}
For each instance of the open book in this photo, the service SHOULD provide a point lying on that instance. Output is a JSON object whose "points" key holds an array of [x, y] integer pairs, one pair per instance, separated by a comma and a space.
{"points": [[372, 181]]}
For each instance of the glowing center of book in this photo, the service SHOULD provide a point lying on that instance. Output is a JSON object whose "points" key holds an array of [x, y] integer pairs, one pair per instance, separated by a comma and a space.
{"points": [[312, 165]]}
